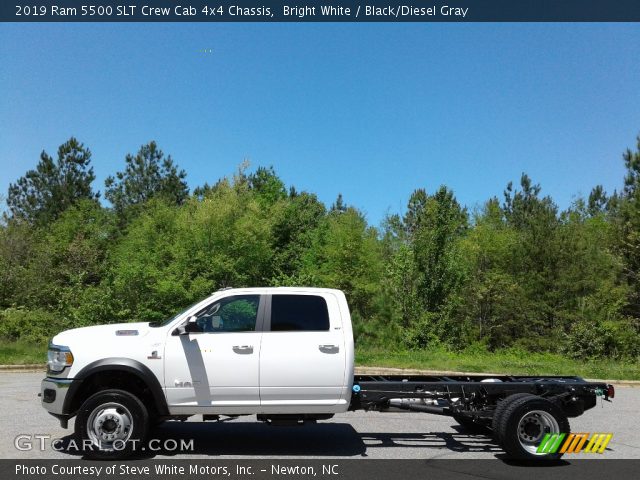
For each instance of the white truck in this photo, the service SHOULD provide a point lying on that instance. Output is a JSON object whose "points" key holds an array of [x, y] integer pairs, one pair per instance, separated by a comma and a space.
{"points": [[285, 355]]}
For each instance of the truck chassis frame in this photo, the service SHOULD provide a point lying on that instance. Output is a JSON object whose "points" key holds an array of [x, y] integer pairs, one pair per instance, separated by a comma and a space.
{"points": [[480, 402]]}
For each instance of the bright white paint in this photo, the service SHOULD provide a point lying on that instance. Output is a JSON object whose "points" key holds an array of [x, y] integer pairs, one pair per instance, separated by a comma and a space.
{"points": [[282, 372]]}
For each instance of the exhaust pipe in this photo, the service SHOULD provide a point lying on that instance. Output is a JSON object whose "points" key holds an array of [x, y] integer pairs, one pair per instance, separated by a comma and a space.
{"points": [[419, 407]]}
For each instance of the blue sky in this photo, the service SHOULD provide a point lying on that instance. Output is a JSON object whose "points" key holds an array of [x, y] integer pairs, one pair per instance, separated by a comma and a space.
{"points": [[369, 110]]}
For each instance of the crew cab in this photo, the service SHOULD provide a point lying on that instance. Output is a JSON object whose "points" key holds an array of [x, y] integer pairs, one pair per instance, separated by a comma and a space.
{"points": [[283, 354]]}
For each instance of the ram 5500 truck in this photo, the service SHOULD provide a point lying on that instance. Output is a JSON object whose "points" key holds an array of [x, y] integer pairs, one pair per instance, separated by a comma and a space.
{"points": [[285, 355]]}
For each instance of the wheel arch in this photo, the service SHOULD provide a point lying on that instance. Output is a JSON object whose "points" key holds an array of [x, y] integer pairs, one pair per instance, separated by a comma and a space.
{"points": [[126, 372]]}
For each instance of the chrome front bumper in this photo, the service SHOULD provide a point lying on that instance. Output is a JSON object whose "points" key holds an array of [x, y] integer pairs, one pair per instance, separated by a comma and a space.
{"points": [[53, 392]]}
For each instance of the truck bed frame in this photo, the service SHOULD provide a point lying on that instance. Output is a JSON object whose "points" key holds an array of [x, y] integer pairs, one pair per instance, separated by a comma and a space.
{"points": [[471, 397]]}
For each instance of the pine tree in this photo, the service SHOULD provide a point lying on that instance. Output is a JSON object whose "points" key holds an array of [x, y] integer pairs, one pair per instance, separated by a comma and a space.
{"points": [[148, 174], [41, 195]]}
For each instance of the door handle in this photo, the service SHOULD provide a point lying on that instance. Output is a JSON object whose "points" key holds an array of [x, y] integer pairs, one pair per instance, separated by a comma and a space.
{"points": [[243, 349], [329, 348]]}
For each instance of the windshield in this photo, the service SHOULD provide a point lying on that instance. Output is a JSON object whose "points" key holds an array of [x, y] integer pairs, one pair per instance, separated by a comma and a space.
{"points": [[166, 322]]}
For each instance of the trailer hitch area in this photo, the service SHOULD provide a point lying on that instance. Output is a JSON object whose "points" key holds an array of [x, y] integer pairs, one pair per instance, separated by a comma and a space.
{"points": [[606, 394]]}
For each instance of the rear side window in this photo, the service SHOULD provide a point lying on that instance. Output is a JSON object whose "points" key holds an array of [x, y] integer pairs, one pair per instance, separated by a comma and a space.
{"points": [[295, 313]]}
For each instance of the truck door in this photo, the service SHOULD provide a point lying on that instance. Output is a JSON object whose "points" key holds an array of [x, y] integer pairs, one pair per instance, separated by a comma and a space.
{"points": [[302, 360], [217, 362]]}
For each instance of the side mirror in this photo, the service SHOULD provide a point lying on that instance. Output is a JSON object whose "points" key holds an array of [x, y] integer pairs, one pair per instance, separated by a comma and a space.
{"points": [[188, 327]]}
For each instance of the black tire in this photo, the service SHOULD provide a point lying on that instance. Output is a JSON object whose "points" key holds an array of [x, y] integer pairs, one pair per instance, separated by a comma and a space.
{"points": [[126, 417], [469, 424], [500, 408], [524, 423]]}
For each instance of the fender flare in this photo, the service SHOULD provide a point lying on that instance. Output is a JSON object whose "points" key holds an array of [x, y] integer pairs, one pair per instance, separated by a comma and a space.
{"points": [[117, 364]]}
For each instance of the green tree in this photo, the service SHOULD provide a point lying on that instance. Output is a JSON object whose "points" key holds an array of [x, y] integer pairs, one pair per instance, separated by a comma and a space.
{"points": [[521, 273], [173, 255], [148, 174], [17, 241], [295, 222], [402, 286], [535, 219], [346, 254], [439, 223], [629, 226], [339, 205], [592, 287], [598, 201], [67, 257], [494, 303], [425, 270], [415, 208], [525, 210], [41, 195], [267, 185]]}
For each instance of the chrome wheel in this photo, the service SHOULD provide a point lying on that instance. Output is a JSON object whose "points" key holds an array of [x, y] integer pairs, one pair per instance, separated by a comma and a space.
{"points": [[532, 428], [109, 426]]}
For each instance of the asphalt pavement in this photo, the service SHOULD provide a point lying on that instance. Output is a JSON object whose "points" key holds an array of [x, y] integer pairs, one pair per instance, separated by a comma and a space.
{"points": [[28, 431]]}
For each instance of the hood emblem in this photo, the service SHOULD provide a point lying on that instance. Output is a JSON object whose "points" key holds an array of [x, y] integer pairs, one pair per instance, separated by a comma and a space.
{"points": [[126, 333]]}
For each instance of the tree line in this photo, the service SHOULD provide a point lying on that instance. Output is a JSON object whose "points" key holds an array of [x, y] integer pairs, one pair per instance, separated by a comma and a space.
{"points": [[516, 272]]}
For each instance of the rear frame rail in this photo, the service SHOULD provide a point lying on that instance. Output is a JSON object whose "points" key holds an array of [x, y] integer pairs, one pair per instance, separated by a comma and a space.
{"points": [[473, 396]]}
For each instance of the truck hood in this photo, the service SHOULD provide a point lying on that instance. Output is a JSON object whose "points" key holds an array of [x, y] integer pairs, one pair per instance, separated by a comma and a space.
{"points": [[102, 333]]}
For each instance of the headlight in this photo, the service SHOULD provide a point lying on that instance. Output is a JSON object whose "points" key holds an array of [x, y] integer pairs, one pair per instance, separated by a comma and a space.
{"points": [[58, 358]]}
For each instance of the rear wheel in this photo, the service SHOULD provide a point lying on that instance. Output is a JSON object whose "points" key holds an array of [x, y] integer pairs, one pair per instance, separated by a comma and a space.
{"points": [[501, 407], [524, 424]]}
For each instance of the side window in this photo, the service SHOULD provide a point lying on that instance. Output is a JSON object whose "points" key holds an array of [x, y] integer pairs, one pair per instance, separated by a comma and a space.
{"points": [[231, 314], [291, 313]]}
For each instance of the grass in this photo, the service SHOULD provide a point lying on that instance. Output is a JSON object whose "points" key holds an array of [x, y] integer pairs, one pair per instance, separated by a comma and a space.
{"points": [[22, 353], [513, 362]]}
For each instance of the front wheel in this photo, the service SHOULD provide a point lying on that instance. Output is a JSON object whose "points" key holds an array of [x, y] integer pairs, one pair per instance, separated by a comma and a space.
{"points": [[111, 424], [524, 425]]}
